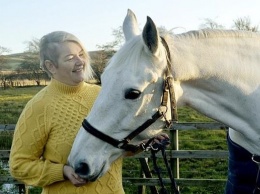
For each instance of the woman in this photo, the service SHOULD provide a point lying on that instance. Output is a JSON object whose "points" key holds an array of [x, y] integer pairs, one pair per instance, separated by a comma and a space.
{"points": [[50, 121]]}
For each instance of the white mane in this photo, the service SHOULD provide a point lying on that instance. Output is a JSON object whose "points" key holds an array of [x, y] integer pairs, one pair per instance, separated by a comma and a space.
{"points": [[208, 33], [223, 48]]}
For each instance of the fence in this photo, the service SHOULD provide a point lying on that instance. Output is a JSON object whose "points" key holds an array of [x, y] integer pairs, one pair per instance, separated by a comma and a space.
{"points": [[146, 179]]}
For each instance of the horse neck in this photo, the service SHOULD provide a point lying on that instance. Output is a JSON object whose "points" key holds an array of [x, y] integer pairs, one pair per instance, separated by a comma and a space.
{"points": [[217, 77]]}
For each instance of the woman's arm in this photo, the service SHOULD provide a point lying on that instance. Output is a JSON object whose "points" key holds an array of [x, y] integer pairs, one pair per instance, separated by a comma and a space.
{"points": [[26, 162]]}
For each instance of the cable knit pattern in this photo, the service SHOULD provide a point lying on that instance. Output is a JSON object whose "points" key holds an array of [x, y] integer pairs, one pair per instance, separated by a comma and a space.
{"points": [[44, 136]]}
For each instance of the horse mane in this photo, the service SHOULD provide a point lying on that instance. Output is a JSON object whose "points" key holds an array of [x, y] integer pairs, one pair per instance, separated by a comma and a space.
{"points": [[201, 67], [136, 46], [209, 33], [131, 52]]}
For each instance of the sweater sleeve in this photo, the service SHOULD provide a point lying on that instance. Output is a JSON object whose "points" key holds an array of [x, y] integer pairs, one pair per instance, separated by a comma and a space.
{"points": [[26, 162]]}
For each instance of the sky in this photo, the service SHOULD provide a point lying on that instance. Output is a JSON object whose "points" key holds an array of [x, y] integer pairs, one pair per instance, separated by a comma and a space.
{"points": [[94, 21]]}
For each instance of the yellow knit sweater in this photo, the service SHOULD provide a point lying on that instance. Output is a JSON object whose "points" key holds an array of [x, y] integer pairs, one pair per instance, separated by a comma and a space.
{"points": [[44, 136]]}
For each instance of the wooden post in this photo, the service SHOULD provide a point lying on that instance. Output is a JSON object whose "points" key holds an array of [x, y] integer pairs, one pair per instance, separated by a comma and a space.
{"points": [[174, 146], [147, 172], [21, 189], [142, 188]]}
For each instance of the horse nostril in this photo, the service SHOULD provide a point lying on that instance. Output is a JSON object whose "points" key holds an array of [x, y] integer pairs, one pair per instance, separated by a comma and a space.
{"points": [[82, 169]]}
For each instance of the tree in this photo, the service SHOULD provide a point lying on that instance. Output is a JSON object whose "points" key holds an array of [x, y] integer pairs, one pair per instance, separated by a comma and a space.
{"points": [[98, 63], [245, 24], [211, 24], [3, 51], [30, 67], [106, 51], [3, 65], [163, 30], [33, 46]]}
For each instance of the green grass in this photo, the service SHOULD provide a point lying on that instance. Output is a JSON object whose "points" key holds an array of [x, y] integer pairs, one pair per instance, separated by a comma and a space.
{"points": [[13, 100]]}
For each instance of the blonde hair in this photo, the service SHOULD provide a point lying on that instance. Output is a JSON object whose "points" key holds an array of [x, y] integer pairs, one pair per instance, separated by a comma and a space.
{"points": [[48, 50]]}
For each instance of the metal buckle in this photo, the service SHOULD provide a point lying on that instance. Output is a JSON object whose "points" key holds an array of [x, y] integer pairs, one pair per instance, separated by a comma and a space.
{"points": [[163, 109], [144, 147], [256, 159], [122, 143]]}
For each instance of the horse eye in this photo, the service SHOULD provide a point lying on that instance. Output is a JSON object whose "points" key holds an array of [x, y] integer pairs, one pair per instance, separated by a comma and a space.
{"points": [[132, 94]]}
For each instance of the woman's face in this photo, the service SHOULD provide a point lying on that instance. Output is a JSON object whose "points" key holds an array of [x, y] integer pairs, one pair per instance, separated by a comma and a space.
{"points": [[71, 65]]}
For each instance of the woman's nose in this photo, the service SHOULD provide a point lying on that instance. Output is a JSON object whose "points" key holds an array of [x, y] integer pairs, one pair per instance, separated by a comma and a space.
{"points": [[80, 60]]}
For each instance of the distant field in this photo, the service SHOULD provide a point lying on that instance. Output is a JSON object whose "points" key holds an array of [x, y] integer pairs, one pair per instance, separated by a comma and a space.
{"points": [[13, 100]]}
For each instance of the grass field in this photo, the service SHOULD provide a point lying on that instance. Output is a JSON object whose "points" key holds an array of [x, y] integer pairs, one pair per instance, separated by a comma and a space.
{"points": [[13, 100]]}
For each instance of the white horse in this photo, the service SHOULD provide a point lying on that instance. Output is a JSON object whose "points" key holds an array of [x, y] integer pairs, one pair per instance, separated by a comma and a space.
{"points": [[215, 72]]}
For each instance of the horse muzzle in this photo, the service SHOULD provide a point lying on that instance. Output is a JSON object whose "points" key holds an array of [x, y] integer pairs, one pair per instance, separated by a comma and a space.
{"points": [[86, 172]]}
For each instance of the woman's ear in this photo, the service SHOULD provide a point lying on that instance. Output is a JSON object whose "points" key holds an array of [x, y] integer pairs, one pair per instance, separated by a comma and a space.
{"points": [[50, 66]]}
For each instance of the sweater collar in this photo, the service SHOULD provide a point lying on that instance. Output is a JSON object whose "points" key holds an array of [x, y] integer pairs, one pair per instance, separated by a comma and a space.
{"points": [[64, 88]]}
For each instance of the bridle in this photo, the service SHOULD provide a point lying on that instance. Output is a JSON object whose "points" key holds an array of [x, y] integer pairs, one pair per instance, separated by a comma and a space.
{"points": [[168, 92]]}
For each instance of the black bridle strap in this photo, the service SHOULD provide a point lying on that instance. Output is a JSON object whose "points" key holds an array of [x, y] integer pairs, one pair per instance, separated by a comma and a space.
{"points": [[124, 143], [93, 131], [145, 125]]}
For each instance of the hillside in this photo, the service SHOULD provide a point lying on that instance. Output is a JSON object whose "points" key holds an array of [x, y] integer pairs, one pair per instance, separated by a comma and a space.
{"points": [[13, 60]]}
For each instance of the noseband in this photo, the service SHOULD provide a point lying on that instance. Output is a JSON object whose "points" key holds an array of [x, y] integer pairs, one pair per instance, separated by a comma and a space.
{"points": [[168, 91]]}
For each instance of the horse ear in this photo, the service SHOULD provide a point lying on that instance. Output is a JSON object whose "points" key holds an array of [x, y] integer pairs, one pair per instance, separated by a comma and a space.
{"points": [[130, 25], [151, 35]]}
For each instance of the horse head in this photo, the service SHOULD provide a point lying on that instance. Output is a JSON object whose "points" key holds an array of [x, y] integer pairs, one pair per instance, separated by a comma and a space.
{"points": [[132, 87]]}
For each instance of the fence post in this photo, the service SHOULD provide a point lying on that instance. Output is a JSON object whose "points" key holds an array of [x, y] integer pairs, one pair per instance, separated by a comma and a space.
{"points": [[21, 188], [147, 173], [174, 146]]}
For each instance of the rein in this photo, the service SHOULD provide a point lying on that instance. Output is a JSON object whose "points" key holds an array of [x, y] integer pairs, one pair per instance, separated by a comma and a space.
{"points": [[168, 91], [161, 147]]}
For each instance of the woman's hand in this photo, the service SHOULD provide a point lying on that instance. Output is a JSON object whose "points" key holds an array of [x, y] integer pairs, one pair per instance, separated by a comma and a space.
{"points": [[161, 137], [74, 178]]}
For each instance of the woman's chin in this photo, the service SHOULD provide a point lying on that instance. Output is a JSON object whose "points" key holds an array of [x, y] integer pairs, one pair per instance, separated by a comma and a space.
{"points": [[79, 77]]}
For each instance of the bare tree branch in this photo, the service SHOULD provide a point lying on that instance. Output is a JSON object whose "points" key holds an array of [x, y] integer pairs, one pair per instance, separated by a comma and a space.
{"points": [[211, 24], [245, 24]]}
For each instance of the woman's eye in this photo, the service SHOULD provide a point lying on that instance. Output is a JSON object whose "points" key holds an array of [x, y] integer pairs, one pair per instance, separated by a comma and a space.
{"points": [[69, 58], [132, 94]]}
